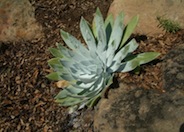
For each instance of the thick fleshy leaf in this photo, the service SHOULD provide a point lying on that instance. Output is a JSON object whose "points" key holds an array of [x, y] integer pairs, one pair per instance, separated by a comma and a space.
{"points": [[94, 100], [129, 48], [78, 69], [129, 29], [93, 93], [73, 91], [65, 51], [54, 61], [54, 76], [92, 66], [109, 22], [62, 94], [86, 78], [146, 57], [67, 63], [102, 44], [117, 33], [115, 38], [124, 51], [74, 44], [55, 52], [128, 66], [70, 54], [87, 35], [98, 23], [101, 52], [69, 91], [55, 64], [82, 85], [100, 34], [97, 86], [67, 77], [137, 61]]}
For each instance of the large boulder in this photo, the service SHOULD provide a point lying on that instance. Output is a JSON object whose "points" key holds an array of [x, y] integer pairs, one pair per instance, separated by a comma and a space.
{"points": [[129, 108], [148, 11], [17, 21]]}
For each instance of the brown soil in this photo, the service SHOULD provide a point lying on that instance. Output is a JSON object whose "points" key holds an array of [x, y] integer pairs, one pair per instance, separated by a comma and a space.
{"points": [[26, 97]]}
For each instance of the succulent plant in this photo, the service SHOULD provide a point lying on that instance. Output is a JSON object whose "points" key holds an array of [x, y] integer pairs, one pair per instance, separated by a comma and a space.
{"points": [[89, 69]]}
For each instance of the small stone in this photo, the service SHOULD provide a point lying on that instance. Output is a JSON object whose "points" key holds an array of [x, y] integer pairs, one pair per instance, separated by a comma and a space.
{"points": [[76, 123], [18, 79], [132, 117], [43, 85], [138, 93], [180, 76]]}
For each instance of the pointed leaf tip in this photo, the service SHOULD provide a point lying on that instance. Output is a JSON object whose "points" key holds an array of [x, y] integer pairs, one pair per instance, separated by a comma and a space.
{"points": [[55, 52], [129, 29]]}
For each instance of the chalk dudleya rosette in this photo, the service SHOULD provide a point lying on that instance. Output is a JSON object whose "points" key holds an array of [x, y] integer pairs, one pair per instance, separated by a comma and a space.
{"points": [[89, 69]]}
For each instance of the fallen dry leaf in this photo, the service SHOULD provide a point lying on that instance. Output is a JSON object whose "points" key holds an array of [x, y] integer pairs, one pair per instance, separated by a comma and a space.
{"points": [[62, 84]]}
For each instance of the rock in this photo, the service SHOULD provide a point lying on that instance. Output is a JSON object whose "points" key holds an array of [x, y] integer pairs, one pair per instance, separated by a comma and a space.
{"points": [[174, 69], [17, 21], [132, 109], [148, 12]]}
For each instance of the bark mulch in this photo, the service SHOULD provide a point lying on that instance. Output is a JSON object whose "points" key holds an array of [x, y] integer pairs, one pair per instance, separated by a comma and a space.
{"points": [[26, 96]]}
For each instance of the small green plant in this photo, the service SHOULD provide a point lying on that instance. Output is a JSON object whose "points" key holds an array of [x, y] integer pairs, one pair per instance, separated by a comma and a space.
{"points": [[89, 70], [168, 25]]}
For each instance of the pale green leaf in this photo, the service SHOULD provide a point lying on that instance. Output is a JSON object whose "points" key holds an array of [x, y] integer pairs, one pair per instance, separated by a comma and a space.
{"points": [[109, 22], [70, 40], [67, 77], [137, 61], [100, 33], [54, 76], [115, 38], [129, 29], [146, 57], [87, 35], [97, 22], [74, 44], [55, 52], [93, 101], [55, 64], [122, 53], [128, 66], [117, 32]]}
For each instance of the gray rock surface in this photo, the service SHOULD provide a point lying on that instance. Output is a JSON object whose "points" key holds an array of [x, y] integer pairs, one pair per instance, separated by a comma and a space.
{"points": [[174, 69], [148, 11], [17, 21], [132, 109]]}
